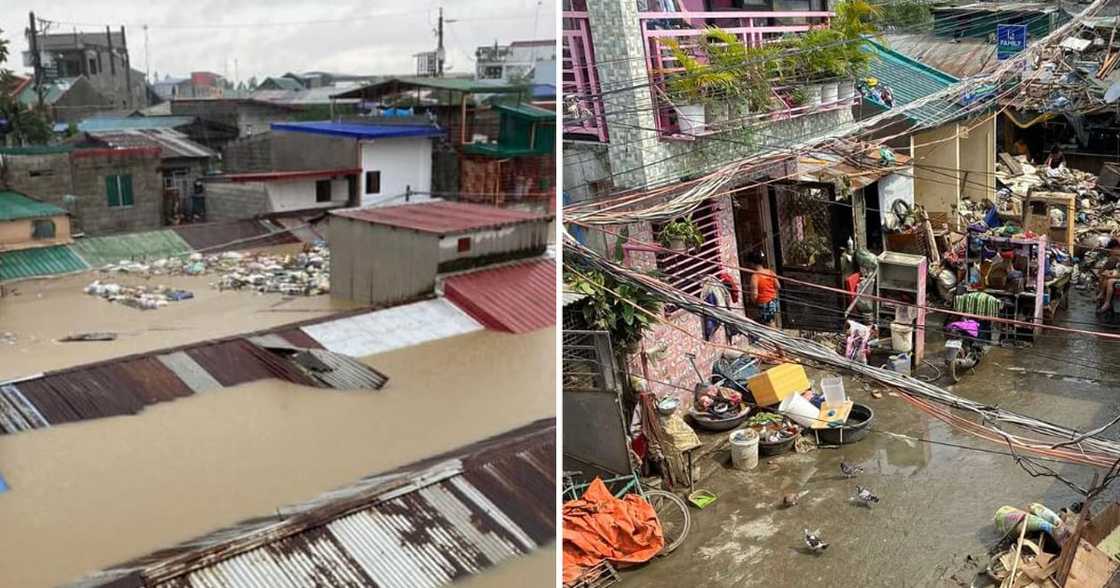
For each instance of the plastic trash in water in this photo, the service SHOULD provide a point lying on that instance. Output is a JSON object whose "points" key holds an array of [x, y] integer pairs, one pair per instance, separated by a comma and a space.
{"points": [[1008, 519]]}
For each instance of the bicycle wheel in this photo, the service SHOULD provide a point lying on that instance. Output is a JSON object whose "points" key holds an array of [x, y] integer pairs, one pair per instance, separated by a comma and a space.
{"points": [[673, 514]]}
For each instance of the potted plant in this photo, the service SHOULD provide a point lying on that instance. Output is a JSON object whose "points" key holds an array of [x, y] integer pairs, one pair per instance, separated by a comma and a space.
{"points": [[680, 235], [821, 53], [696, 86]]}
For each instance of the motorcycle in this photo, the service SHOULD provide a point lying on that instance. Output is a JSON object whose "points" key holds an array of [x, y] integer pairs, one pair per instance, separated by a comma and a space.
{"points": [[962, 348]]}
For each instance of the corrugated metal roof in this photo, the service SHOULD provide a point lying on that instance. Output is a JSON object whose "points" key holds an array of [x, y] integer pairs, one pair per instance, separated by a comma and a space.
{"points": [[910, 80], [961, 58], [16, 206], [423, 525], [231, 236], [187, 369], [518, 298], [40, 261], [392, 328], [101, 251], [284, 175], [114, 123], [360, 130], [172, 143], [465, 85], [569, 297], [442, 217], [528, 111]]}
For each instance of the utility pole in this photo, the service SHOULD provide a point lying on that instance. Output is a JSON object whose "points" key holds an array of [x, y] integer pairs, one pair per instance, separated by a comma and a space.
{"points": [[147, 67], [36, 59], [439, 45]]}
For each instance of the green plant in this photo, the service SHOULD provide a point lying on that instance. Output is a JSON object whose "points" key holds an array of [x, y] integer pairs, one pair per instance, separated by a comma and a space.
{"points": [[821, 53], [796, 96], [683, 230], [913, 15], [613, 306], [699, 82]]}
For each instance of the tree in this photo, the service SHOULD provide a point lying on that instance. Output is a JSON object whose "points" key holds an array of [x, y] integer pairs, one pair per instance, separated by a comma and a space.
{"points": [[25, 124]]}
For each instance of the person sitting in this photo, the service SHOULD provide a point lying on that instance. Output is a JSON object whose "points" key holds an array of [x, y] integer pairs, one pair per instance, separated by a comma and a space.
{"points": [[1109, 276], [1056, 158]]}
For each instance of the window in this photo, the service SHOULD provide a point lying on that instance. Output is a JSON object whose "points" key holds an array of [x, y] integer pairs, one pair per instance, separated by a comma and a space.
{"points": [[323, 191], [373, 182], [492, 72], [687, 272], [464, 244], [92, 66], [42, 229], [118, 191]]}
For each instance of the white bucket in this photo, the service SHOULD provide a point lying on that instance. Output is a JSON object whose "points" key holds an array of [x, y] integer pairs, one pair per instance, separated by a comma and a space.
{"points": [[847, 90], [813, 95], [800, 410], [833, 388], [900, 363], [902, 337], [691, 118], [744, 449]]}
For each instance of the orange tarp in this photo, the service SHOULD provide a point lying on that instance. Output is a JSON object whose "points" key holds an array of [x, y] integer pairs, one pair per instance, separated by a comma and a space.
{"points": [[600, 526]]}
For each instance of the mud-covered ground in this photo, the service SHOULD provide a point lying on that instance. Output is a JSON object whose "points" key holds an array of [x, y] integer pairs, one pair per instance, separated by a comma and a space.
{"points": [[937, 500]]}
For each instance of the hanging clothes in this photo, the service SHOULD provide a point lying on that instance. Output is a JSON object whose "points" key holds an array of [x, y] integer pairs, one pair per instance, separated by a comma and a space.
{"points": [[978, 303], [716, 293]]}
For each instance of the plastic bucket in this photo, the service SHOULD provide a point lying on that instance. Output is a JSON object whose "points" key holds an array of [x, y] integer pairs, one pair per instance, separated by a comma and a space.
{"points": [[902, 337], [744, 449], [833, 389], [800, 410]]}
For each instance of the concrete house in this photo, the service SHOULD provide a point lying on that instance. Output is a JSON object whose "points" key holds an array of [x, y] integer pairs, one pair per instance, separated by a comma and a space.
{"points": [[105, 190], [26, 223], [102, 58], [252, 194], [395, 159]]}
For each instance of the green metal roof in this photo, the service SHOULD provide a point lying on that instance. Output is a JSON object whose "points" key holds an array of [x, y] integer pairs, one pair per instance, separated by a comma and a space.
{"points": [[465, 85], [910, 80], [36, 150], [41, 261], [498, 150], [101, 251], [534, 113], [16, 206]]}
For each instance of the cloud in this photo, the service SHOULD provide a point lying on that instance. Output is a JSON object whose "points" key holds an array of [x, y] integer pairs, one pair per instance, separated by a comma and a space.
{"points": [[288, 35]]}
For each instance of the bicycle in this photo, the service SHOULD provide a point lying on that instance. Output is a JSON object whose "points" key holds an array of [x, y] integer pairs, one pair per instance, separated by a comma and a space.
{"points": [[672, 511]]}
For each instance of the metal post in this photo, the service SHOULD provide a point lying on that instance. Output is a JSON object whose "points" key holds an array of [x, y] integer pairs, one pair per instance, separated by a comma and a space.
{"points": [[439, 45], [109, 40], [36, 59]]}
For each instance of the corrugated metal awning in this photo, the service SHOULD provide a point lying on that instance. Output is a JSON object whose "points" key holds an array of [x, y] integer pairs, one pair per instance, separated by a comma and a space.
{"points": [[392, 328], [517, 298]]}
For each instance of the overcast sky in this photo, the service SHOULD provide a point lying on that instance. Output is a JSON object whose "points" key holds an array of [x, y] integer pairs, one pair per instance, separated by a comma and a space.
{"points": [[277, 36]]}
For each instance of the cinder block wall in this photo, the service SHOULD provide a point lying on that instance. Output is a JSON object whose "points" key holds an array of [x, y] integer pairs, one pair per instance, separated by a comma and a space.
{"points": [[248, 154], [233, 201], [90, 167]]}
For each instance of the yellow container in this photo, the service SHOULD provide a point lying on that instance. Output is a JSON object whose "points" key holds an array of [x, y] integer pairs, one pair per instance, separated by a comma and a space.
{"points": [[775, 384]]}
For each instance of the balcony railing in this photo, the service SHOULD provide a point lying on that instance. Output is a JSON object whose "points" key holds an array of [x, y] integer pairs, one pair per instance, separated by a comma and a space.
{"points": [[584, 112]]}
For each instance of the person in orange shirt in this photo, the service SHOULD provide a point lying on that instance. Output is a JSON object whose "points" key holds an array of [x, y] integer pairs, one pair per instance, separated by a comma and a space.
{"points": [[764, 289]]}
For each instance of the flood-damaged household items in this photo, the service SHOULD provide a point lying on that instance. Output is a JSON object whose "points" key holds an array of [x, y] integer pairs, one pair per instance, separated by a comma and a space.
{"points": [[303, 274]]}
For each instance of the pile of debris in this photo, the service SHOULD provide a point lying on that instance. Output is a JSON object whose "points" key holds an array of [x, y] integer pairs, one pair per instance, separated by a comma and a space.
{"points": [[142, 297], [303, 274]]}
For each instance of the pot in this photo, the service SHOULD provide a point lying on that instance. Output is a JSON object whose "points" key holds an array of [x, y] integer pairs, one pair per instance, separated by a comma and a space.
{"points": [[847, 90], [829, 92], [812, 95], [690, 118], [677, 245]]}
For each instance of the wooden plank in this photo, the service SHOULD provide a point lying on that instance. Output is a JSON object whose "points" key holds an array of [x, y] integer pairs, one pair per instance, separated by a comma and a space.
{"points": [[1092, 568], [1012, 164]]}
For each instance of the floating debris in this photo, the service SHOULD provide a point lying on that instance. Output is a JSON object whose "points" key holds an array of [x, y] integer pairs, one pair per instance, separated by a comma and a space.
{"points": [[142, 297], [80, 337]]}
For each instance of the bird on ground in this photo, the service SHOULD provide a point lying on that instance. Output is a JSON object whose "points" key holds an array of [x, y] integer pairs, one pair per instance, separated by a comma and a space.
{"points": [[850, 470], [865, 497], [813, 540]]}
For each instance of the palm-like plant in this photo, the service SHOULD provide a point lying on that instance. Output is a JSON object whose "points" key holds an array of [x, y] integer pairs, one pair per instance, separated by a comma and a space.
{"points": [[699, 82]]}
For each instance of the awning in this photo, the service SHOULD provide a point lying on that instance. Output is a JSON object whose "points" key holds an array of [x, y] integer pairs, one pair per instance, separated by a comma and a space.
{"points": [[861, 168]]}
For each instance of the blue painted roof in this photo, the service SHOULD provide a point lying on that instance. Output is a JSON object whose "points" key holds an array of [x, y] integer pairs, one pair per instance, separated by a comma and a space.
{"points": [[360, 130], [543, 90], [111, 123]]}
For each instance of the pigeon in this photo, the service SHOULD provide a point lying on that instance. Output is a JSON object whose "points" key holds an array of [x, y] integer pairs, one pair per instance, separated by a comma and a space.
{"points": [[865, 497], [850, 470], [813, 540]]}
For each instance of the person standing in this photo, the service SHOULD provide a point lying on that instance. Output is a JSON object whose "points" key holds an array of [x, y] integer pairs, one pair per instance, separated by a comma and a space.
{"points": [[764, 289]]}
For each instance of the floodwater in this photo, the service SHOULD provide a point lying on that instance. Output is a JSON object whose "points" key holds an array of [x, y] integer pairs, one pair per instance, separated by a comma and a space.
{"points": [[517, 573], [938, 496], [91, 494], [38, 312]]}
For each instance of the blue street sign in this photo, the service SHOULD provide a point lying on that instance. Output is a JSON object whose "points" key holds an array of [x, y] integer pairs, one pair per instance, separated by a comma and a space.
{"points": [[1010, 39]]}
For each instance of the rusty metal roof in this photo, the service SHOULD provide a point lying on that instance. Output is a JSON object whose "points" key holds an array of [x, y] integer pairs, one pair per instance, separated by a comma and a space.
{"points": [[423, 525], [516, 298], [962, 58], [232, 235], [442, 217], [127, 385]]}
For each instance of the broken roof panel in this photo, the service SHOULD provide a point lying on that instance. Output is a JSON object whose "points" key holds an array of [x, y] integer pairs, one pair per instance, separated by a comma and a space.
{"points": [[441, 217], [517, 298], [231, 236]]}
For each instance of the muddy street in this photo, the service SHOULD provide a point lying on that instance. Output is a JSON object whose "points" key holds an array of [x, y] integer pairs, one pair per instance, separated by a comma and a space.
{"points": [[938, 497]]}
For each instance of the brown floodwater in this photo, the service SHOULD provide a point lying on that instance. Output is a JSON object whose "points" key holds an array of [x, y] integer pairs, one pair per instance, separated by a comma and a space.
{"points": [[91, 494], [39, 312], [536, 569]]}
